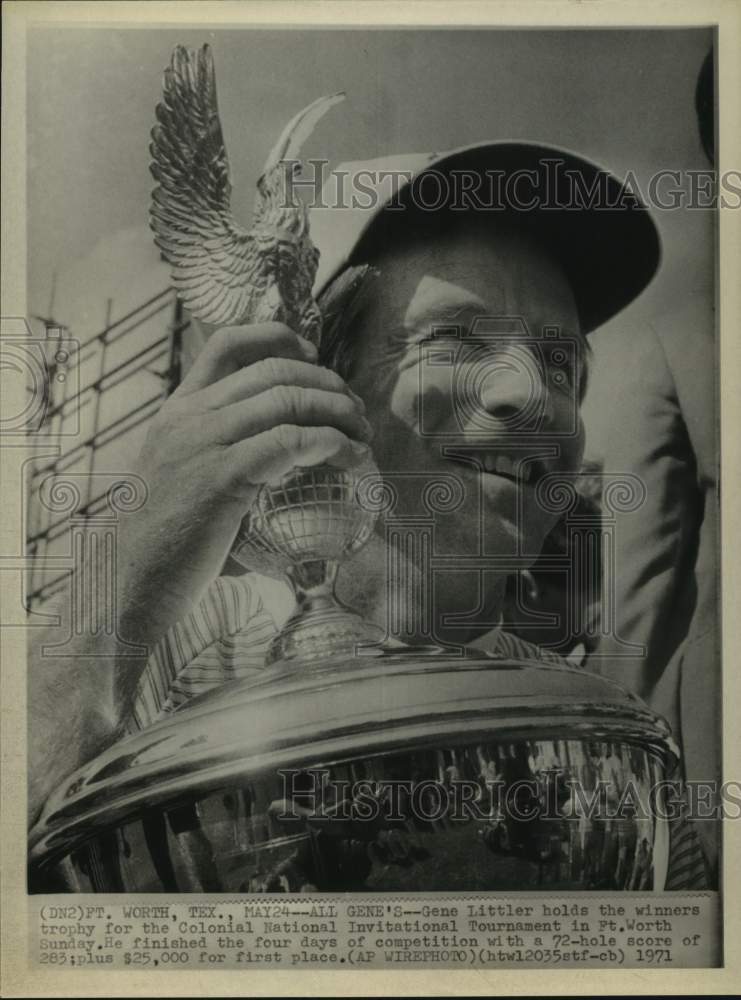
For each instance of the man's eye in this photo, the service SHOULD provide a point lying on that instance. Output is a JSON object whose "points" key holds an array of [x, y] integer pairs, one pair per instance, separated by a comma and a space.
{"points": [[563, 378], [442, 334]]}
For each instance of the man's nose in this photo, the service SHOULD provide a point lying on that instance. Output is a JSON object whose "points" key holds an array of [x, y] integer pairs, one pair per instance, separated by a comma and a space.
{"points": [[513, 393]]}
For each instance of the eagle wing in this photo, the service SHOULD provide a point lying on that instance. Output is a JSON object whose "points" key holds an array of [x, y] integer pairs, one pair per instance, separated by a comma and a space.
{"points": [[215, 265]]}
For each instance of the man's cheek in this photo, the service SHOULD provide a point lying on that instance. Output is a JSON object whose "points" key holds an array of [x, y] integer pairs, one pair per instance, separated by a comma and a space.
{"points": [[579, 445], [570, 438], [535, 521], [422, 403]]}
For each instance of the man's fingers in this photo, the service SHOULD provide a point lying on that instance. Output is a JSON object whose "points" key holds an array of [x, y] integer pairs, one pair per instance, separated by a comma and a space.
{"points": [[290, 404], [269, 456], [268, 373], [234, 347]]}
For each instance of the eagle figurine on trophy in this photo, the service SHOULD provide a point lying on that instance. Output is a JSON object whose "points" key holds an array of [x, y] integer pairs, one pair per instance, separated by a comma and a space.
{"points": [[226, 274]]}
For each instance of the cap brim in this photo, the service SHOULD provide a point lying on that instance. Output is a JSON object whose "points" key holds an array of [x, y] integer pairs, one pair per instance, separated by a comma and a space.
{"points": [[599, 230]]}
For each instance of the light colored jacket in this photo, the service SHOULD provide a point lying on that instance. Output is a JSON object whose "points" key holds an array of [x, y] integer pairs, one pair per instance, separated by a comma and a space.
{"points": [[651, 410]]}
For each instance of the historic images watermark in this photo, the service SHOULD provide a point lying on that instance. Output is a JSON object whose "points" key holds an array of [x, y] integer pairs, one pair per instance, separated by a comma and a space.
{"points": [[41, 418], [45, 366], [465, 362], [551, 185], [550, 794]]}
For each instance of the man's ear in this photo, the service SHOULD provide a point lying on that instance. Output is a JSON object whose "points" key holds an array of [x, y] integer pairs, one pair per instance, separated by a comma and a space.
{"points": [[340, 304]]}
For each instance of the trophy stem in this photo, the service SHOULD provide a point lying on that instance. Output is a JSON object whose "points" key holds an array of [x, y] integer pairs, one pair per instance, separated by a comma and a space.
{"points": [[321, 627]]}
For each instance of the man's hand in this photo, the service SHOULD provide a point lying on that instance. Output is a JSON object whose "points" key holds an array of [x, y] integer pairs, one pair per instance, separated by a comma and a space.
{"points": [[253, 407]]}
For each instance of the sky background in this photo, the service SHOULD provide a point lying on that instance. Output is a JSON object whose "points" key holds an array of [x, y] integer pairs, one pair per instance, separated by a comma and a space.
{"points": [[623, 98]]}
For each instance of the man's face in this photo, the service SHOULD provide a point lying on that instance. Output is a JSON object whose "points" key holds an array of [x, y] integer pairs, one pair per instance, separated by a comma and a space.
{"points": [[459, 380]]}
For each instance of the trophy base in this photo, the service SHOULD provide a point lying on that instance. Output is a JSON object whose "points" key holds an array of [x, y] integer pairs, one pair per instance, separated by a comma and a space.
{"points": [[321, 628], [317, 634]]}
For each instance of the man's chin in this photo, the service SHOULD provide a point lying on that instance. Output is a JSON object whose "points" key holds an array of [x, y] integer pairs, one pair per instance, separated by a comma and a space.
{"points": [[497, 543], [513, 523], [492, 515]]}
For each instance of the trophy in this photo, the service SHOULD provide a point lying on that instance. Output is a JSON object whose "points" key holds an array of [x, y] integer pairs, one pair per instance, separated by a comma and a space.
{"points": [[303, 527]]}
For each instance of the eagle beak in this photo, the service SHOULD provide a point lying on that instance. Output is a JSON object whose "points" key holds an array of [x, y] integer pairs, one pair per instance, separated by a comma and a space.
{"points": [[298, 130]]}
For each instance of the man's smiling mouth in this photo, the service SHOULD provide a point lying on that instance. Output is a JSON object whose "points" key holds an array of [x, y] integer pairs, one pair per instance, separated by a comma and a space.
{"points": [[503, 466]]}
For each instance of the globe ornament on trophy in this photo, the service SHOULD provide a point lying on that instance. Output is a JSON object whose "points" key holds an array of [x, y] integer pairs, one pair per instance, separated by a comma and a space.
{"points": [[303, 527]]}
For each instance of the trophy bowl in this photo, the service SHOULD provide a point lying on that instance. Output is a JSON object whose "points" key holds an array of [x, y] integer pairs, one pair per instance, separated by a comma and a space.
{"points": [[302, 529], [406, 771]]}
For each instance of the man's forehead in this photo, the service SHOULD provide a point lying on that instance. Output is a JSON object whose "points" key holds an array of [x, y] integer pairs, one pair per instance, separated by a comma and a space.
{"points": [[470, 274], [435, 300]]}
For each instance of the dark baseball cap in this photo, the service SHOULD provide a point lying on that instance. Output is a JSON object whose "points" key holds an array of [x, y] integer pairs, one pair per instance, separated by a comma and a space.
{"points": [[595, 225]]}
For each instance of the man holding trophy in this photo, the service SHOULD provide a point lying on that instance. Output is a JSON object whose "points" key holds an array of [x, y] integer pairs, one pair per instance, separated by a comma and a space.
{"points": [[434, 379]]}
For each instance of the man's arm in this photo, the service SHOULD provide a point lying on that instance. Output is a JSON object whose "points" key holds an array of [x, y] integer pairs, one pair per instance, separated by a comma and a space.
{"points": [[72, 712], [253, 407]]}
